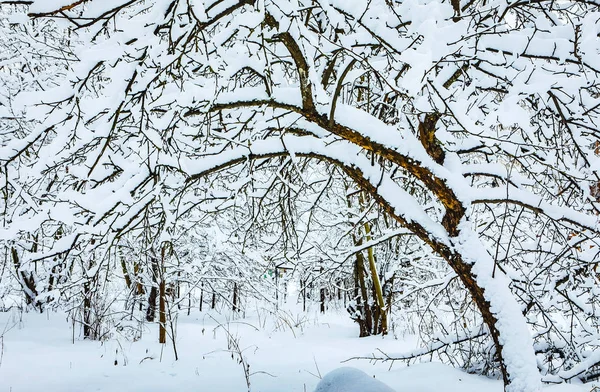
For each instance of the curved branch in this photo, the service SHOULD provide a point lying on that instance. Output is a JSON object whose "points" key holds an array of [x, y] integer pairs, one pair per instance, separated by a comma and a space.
{"points": [[437, 185], [338, 89], [543, 209], [462, 256]]}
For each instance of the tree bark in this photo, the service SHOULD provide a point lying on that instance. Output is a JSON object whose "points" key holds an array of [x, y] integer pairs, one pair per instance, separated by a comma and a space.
{"points": [[162, 311], [362, 301], [87, 305], [162, 314], [27, 281], [235, 297], [153, 296], [381, 316], [201, 296]]}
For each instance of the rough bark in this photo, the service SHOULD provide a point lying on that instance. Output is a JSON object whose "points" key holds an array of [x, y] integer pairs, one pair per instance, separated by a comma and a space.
{"points": [[234, 306], [162, 302], [201, 297], [87, 312], [162, 313], [153, 296], [380, 316], [443, 191], [27, 280], [366, 321]]}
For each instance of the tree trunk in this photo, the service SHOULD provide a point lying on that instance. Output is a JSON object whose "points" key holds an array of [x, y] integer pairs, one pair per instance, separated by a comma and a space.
{"points": [[380, 315], [125, 273], [513, 323], [304, 294], [151, 310], [201, 296], [235, 297], [140, 287], [322, 294], [366, 320], [389, 291], [162, 314], [87, 312], [27, 280], [162, 311]]}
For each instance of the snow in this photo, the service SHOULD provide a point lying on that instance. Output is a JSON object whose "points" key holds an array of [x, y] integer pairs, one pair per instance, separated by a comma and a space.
{"points": [[48, 5], [44, 350], [95, 8], [432, 41], [515, 337], [347, 379]]}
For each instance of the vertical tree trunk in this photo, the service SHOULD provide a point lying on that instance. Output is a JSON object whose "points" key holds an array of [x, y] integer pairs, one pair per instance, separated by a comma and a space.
{"points": [[90, 325], [381, 314], [177, 293], [322, 300], [27, 280], [235, 297], [162, 311], [129, 282], [322, 293], [366, 322], [201, 296], [125, 273], [140, 287], [151, 310], [303, 284], [276, 288], [87, 311], [389, 291]]}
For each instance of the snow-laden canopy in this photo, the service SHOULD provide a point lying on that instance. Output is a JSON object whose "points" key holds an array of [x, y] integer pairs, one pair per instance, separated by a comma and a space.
{"points": [[470, 124]]}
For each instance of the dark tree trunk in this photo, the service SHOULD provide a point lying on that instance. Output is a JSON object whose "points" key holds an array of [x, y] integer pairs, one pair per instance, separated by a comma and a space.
{"points": [[139, 285], [322, 300], [162, 301], [151, 310], [162, 313], [235, 298], [363, 299], [87, 312], [304, 295], [27, 280], [201, 296]]}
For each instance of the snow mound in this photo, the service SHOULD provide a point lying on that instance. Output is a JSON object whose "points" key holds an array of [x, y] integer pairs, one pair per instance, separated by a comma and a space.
{"points": [[347, 379]]}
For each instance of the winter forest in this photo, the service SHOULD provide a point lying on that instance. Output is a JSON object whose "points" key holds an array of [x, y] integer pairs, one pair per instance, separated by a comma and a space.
{"points": [[245, 195]]}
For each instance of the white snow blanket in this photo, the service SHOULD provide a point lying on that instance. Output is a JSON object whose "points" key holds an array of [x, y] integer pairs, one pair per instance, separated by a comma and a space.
{"points": [[347, 379]]}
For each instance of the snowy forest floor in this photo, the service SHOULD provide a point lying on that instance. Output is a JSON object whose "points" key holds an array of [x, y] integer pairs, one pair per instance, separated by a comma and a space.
{"points": [[286, 353]]}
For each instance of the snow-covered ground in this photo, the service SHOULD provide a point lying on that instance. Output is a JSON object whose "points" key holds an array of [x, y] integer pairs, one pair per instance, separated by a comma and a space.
{"points": [[289, 353]]}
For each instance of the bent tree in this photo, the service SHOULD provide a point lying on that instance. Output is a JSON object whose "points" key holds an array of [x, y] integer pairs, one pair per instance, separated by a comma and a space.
{"points": [[487, 108]]}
